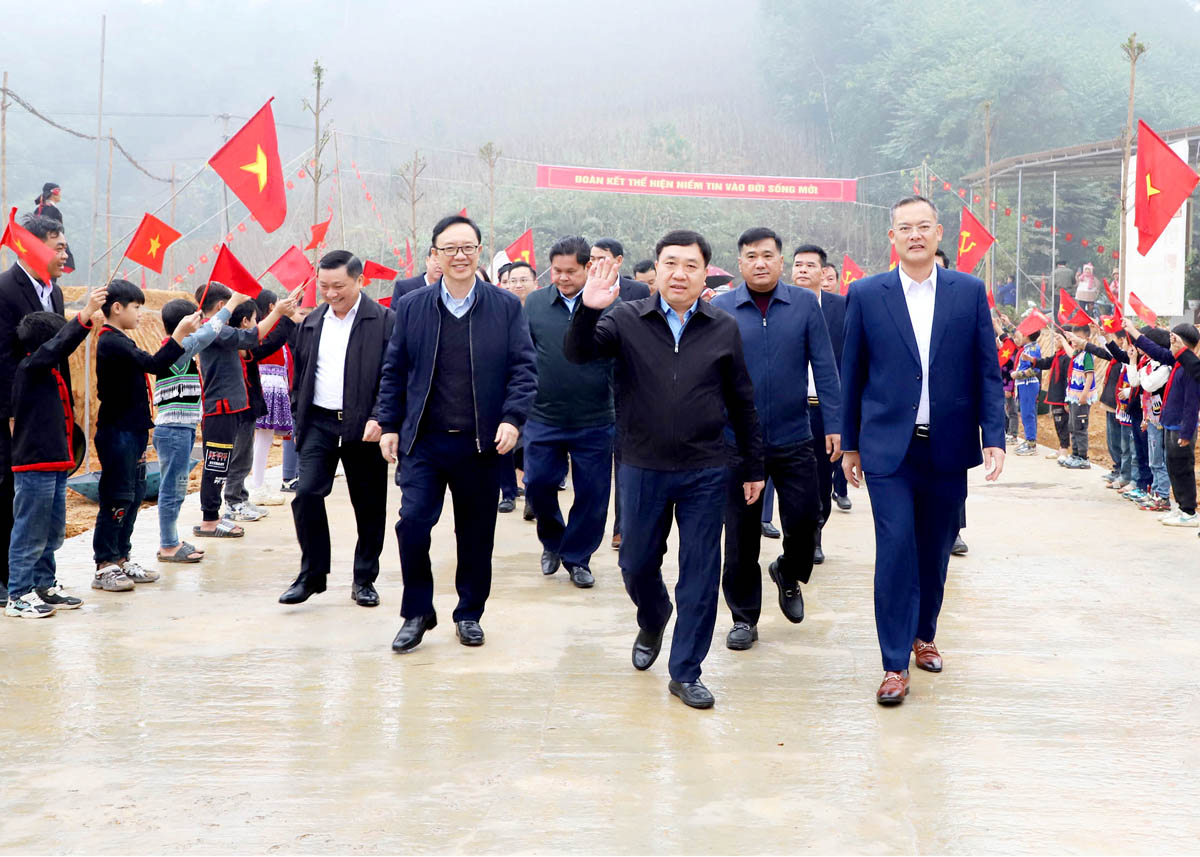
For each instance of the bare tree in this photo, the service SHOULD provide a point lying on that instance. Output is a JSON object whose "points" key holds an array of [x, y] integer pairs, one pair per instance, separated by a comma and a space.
{"points": [[320, 137], [409, 173], [489, 153]]}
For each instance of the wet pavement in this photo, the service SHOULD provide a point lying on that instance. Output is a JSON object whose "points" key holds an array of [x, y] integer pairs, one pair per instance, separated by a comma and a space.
{"points": [[198, 714]]}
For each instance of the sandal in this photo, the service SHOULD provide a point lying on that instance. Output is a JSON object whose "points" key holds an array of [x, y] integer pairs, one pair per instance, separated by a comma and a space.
{"points": [[226, 529], [184, 553]]}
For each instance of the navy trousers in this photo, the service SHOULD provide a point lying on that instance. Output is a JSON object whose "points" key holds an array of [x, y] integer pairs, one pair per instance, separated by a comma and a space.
{"points": [[590, 451], [916, 512], [816, 421], [440, 460], [697, 500]]}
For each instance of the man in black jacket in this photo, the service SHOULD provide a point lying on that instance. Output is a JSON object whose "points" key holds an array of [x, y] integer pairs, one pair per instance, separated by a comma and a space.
{"points": [[433, 272], [21, 293], [458, 382], [681, 375], [339, 352]]}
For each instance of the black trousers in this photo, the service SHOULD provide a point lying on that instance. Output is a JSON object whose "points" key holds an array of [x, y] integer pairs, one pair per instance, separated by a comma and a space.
{"points": [[6, 498], [219, 432], [1062, 425], [794, 470], [824, 465], [122, 488], [1181, 468], [366, 480], [439, 460]]}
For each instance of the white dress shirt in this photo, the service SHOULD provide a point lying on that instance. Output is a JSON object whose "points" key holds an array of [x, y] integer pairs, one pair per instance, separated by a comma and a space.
{"points": [[331, 358], [43, 291], [919, 297], [812, 381]]}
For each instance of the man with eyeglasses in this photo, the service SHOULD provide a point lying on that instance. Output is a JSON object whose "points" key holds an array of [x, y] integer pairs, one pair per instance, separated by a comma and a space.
{"points": [[627, 290], [784, 336], [458, 382], [921, 383], [681, 378], [433, 272]]}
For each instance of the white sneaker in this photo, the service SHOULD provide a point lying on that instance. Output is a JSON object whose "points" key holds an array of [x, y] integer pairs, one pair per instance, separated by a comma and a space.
{"points": [[137, 574], [1171, 514], [28, 606], [1183, 520], [244, 512], [112, 579], [263, 497]]}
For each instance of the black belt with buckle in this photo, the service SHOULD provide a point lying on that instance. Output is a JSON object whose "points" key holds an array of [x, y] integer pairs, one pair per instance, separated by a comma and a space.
{"points": [[326, 412], [921, 430]]}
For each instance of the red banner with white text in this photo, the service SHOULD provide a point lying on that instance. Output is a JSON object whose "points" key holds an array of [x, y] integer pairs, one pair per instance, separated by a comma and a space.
{"points": [[696, 184]]}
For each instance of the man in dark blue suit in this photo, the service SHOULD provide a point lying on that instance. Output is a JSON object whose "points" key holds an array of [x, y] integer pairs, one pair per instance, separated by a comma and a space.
{"points": [[433, 273], [920, 381]]}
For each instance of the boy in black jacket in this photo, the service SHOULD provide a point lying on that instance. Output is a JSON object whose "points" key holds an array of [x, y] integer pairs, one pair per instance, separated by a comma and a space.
{"points": [[123, 429], [43, 427]]}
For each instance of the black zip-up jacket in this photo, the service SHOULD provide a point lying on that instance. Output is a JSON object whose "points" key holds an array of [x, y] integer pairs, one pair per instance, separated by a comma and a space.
{"points": [[43, 408], [674, 400], [1059, 365], [364, 361], [18, 298], [503, 366], [123, 379]]}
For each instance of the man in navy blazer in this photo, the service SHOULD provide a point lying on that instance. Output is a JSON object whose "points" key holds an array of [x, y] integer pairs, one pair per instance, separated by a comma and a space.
{"points": [[433, 273], [920, 382]]}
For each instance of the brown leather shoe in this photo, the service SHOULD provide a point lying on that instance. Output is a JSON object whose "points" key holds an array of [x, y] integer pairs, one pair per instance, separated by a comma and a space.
{"points": [[616, 542], [928, 657], [894, 688]]}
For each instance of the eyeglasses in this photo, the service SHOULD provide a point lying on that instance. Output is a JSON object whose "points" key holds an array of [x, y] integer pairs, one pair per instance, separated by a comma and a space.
{"points": [[909, 229], [520, 281], [465, 249]]}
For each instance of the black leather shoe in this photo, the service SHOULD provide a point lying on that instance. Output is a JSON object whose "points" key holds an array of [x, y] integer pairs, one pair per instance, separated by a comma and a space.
{"points": [[550, 562], [960, 547], [365, 595], [581, 577], [843, 502], [469, 632], [818, 552], [691, 693], [791, 601], [528, 513], [507, 505], [647, 646], [741, 637], [297, 593], [411, 632], [770, 530]]}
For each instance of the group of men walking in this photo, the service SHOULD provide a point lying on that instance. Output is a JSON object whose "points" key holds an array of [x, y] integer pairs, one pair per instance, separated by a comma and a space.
{"points": [[702, 401]]}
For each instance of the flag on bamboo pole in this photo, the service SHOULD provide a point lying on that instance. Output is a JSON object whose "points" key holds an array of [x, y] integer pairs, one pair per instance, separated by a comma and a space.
{"points": [[29, 248], [1164, 181], [249, 164], [1070, 312], [318, 233], [376, 271], [149, 245], [229, 272], [1142, 311], [850, 272], [1033, 322], [292, 269], [973, 241]]}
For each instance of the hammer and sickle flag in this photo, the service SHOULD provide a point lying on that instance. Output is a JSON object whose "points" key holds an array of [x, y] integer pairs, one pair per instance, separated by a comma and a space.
{"points": [[1164, 181], [973, 241], [249, 165], [521, 250], [850, 273]]}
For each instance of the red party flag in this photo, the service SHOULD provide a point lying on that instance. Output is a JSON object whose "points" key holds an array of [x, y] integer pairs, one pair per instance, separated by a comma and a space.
{"points": [[462, 212], [1033, 322], [408, 259], [1043, 295], [387, 302], [991, 298], [1112, 298], [1070, 312], [973, 241], [292, 269], [375, 271], [521, 250], [1164, 181], [228, 271], [249, 164], [29, 249], [1143, 312], [318, 233], [150, 243], [850, 272], [893, 257]]}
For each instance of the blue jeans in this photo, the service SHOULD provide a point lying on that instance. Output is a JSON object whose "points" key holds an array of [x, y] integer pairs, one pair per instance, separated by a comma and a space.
{"points": [[1027, 395], [39, 526], [290, 462], [122, 487], [1112, 439], [697, 498], [1141, 458], [546, 450], [1161, 482], [1125, 437], [174, 447]]}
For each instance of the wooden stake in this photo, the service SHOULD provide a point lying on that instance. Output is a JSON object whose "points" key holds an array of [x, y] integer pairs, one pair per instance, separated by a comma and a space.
{"points": [[108, 208], [4, 157], [1133, 49]]}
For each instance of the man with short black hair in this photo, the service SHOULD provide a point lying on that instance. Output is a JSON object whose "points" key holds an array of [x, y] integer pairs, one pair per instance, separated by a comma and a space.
{"points": [[691, 380], [572, 417], [829, 278], [338, 350], [643, 272], [21, 293], [433, 272], [458, 383]]}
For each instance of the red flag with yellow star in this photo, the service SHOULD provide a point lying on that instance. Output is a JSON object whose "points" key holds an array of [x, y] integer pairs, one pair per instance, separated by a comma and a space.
{"points": [[29, 248], [850, 272], [893, 257], [973, 241], [1164, 181], [249, 164], [150, 243]]}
